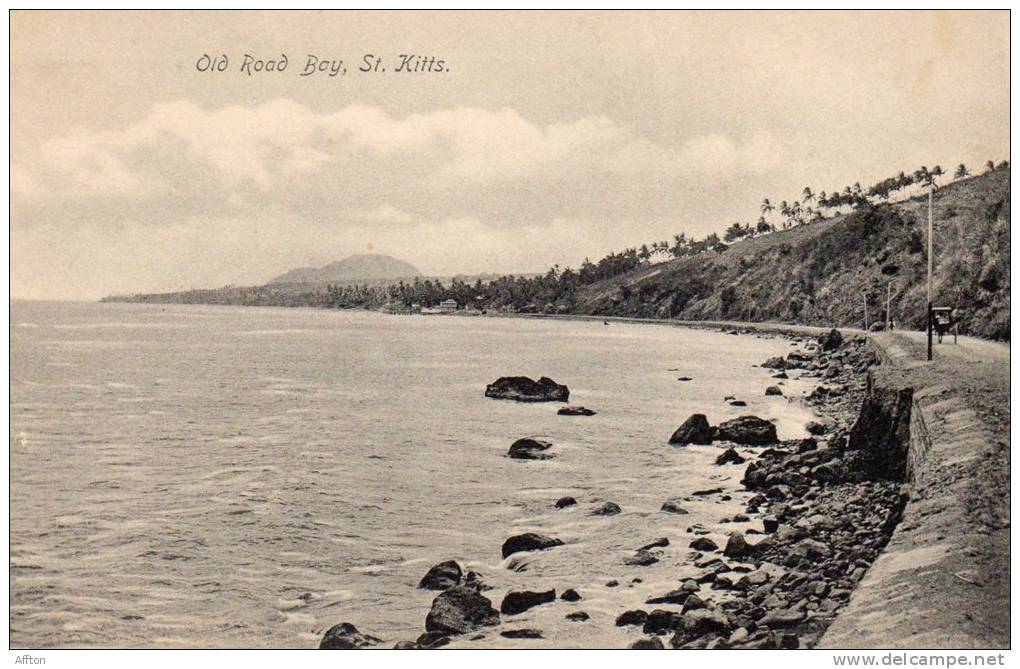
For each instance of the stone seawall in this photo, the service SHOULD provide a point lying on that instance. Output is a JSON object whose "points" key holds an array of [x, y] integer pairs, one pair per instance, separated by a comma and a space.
{"points": [[943, 579]]}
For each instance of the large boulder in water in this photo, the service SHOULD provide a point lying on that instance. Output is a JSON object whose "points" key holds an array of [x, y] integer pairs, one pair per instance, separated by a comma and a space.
{"points": [[346, 636], [737, 547], [575, 411], [460, 610], [431, 640], [700, 622], [526, 633], [570, 595], [747, 431], [523, 389], [695, 430], [607, 509], [564, 502], [674, 506], [632, 617], [519, 601], [528, 541], [529, 449], [704, 544], [831, 341], [647, 643], [442, 576], [661, 621], [730, 456]]}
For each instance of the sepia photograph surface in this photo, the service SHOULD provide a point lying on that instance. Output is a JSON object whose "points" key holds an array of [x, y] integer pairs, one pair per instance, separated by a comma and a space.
{"points": [[509, 330]]}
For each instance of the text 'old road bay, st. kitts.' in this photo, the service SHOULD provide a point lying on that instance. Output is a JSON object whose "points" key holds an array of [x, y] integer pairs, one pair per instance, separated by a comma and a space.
{"points": [[318, 66]]}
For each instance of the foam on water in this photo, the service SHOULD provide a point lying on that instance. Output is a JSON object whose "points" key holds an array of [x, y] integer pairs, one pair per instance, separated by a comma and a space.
{"points": [[189, 487]]}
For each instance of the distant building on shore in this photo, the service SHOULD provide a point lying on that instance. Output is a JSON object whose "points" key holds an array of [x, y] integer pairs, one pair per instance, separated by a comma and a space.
{"points": [[448, 306]]}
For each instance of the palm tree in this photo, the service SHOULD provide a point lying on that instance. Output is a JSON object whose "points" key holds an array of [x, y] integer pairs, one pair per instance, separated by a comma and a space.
{"points": [[733, 233], [901, 181], [989, 166], [679, 246], [784, 210], [961, 172], [766, 206], [807, 195]]}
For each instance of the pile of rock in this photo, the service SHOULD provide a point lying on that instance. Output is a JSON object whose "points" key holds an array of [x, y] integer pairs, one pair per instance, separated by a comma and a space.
{"points": [[524, 389], [461, 608], [745, 430], [824, 522], [824, 527], [530, 448], [841, 362], [780, 590], [446, 575], [694, 430], [529, 541]]}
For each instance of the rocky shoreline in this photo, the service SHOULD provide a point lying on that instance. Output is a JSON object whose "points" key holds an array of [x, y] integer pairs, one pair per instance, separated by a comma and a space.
{"points": [[821, 513]]}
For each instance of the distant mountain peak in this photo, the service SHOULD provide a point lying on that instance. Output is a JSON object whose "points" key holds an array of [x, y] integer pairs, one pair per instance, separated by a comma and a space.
{"points": [[358, 267]]}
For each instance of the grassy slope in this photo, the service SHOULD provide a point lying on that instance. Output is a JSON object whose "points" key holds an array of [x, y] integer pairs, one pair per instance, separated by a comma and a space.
{"points": [[815, 274]]}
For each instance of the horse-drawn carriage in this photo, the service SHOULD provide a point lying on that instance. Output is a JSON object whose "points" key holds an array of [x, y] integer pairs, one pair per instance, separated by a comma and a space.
{"points": [[944, 320]]}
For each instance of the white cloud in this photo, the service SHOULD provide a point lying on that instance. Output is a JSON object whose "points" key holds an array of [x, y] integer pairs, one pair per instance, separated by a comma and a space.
{"points": [[23, 184], [271, 145], [720, 155], [385, 214], [88, 164], [192, 196]]}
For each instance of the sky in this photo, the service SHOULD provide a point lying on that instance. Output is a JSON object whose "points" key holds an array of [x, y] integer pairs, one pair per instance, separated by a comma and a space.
{"points": [[547, 137]]}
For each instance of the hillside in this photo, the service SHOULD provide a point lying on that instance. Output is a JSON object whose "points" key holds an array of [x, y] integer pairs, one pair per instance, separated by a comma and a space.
{"points": [[356, 268], [816, 274]]}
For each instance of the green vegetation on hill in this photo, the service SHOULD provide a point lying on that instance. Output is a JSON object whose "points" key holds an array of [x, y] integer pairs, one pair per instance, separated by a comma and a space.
{"points": [[820, 273]]}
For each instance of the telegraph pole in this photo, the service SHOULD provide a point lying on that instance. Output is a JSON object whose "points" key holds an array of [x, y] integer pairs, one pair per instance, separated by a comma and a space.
{"points": [[931, 190], [888, 306]]}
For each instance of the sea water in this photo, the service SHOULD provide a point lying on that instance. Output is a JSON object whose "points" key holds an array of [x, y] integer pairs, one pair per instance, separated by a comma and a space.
{"points": [[199, 476]]}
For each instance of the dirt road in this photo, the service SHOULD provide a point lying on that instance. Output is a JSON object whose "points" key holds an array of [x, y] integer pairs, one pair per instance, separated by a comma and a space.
{"points": [[943, 580]]}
